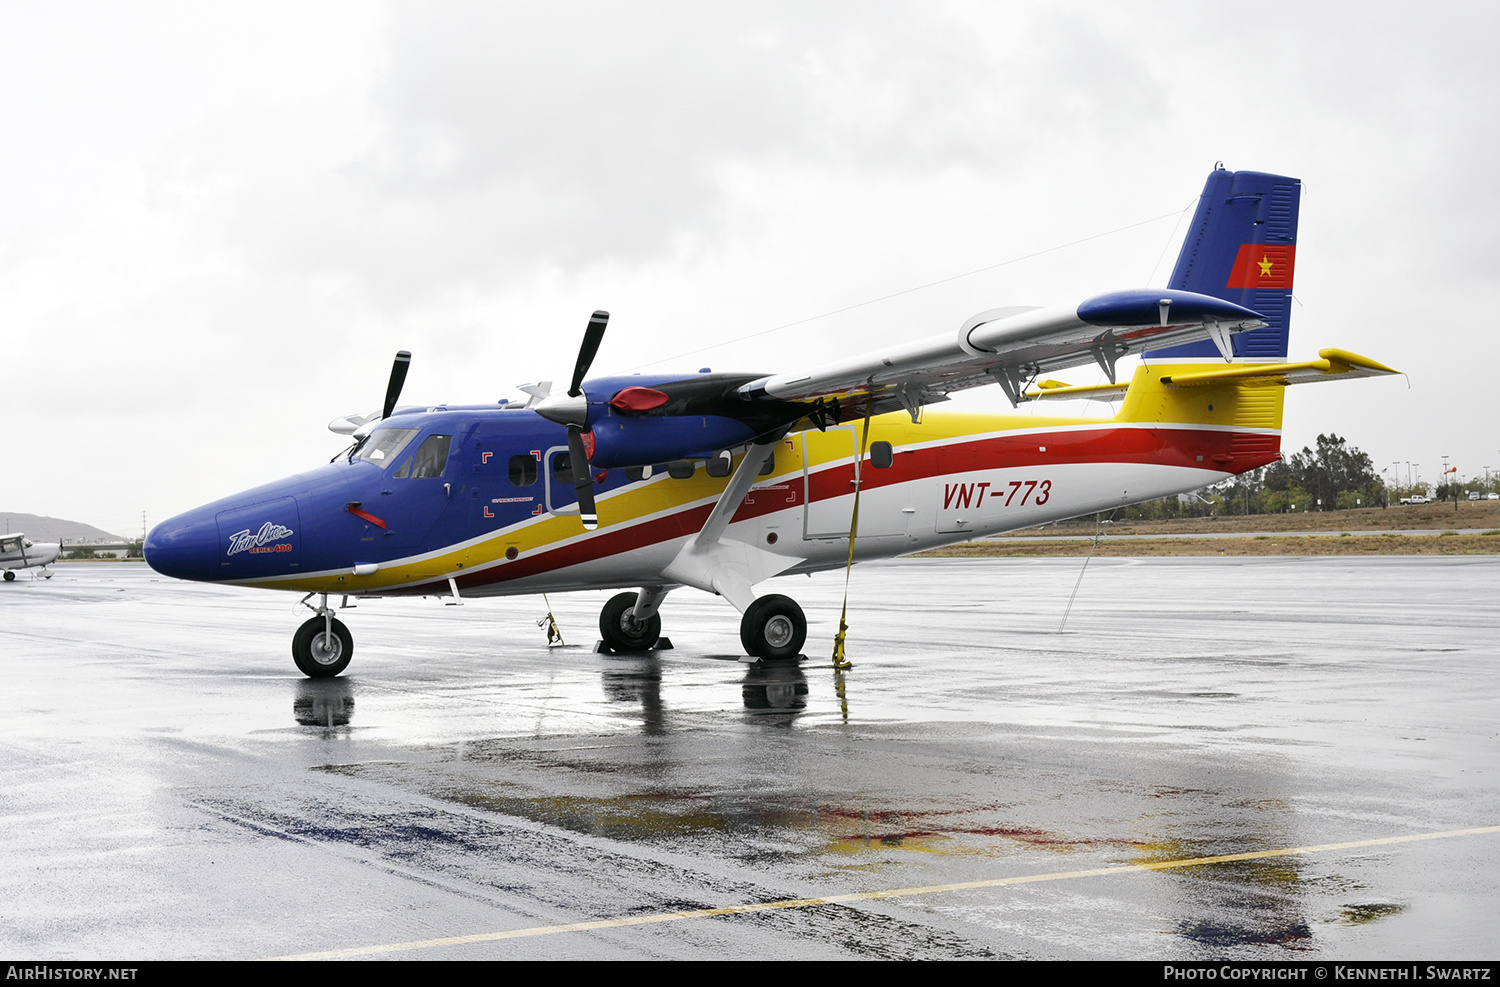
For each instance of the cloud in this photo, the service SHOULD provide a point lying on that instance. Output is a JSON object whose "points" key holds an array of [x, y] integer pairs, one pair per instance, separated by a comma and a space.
{"points": [[299, 190]]}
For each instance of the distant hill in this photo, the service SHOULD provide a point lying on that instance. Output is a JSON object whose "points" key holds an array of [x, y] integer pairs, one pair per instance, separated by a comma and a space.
{"points": [[44, 529]]}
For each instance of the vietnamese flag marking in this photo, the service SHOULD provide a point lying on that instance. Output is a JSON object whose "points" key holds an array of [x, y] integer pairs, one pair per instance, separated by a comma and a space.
{"points": [[1263, 265]]}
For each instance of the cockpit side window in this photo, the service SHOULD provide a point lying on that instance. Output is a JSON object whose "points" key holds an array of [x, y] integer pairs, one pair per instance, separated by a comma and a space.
{"points": [[405, 469], [384, 444], [431, 457]]}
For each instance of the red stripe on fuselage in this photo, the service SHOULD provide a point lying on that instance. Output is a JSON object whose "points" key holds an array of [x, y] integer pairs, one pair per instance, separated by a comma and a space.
{"points": [[1179, 447], [1153, 446]]}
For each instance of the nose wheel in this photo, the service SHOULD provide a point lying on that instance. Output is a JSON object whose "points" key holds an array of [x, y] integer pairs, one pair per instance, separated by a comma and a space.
{"points": [[773, 627], [322, 647]]}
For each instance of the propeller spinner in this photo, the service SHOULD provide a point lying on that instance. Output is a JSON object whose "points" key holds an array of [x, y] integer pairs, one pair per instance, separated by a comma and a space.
{"points": [[572, 410]]}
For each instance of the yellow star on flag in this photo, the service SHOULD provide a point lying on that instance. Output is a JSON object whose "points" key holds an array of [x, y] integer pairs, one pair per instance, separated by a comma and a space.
{"points": [[1265, 265]]}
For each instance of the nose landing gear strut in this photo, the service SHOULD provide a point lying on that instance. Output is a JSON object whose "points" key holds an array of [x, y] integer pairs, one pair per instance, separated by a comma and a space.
{"points": [[323, 646]]}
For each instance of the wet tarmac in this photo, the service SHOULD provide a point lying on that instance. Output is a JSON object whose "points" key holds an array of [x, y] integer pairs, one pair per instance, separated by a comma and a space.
{"points": [[173, 788]]}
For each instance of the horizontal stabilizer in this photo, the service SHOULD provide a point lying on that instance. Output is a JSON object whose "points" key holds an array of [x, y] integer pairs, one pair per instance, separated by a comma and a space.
{"points": [[1057, 390], [1334, 365]]}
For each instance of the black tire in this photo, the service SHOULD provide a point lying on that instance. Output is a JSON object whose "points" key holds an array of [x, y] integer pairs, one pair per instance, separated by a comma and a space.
{"points": [[621, 631], [773, 627], [10, 576], [317, 656]]}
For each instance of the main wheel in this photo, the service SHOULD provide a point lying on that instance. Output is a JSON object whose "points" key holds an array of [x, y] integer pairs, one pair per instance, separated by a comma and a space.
{"points": [[773, 627], [317, 653], [10, 577], [621, 631]]}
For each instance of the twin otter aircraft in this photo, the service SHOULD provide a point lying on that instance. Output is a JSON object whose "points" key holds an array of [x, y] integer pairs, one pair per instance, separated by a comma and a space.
{"points": [[721, 481]]}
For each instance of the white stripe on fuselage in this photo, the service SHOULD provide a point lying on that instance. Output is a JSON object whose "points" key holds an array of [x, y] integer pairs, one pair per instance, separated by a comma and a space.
{"points": [[896, 519]]}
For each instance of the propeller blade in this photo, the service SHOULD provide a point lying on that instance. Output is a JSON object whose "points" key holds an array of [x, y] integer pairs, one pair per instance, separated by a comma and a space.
{"points": [[592, 337], [583, 478], [398, 377]]}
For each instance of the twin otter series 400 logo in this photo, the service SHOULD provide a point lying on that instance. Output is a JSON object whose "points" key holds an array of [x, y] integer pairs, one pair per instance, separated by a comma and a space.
{"points": [[244, 541]]}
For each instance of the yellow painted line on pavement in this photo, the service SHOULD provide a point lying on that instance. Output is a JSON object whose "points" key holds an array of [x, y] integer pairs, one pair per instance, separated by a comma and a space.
{"points": [[840, 899]]}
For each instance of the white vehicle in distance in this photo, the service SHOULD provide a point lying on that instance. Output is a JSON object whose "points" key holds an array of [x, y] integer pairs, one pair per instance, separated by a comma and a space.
{"points": [[1416, 499]]}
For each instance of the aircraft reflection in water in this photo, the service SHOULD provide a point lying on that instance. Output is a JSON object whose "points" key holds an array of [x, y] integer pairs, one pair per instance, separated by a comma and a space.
{"points": [[324, 703], [775, 687], [768, 688], [637, 679], [719, 481]]}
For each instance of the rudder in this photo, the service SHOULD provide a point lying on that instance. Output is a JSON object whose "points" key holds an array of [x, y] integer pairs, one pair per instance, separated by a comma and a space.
{"points": [[1242, 247]]}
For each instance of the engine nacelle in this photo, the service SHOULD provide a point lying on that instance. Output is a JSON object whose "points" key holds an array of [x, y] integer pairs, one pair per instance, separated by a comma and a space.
{"points": [[620, 441]]}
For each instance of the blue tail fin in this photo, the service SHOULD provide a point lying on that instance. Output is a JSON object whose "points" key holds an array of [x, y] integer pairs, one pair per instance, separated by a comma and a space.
{"points": [[1242, 247]]}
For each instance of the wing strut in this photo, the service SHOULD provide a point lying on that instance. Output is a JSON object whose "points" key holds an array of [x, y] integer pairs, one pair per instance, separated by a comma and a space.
{"points": [[724, 566], [734, 494]]}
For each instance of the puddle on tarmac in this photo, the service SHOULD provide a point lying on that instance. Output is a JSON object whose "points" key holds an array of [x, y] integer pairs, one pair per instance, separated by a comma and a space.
{"points": [[1360, 914]]}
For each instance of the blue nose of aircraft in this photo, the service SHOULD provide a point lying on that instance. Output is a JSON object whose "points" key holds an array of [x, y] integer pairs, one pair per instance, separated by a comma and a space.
{"points": [[185, 547]]}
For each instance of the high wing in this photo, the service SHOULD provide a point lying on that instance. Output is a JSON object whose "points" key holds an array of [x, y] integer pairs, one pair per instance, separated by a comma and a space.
{"points": [[1012, 346]]}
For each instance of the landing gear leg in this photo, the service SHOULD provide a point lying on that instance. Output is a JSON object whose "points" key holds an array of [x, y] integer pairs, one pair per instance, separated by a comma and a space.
{"points": [[773, 627], [323, 646], [623, 629]]}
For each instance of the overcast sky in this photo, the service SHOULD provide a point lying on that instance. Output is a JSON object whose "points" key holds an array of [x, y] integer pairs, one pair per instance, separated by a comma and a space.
{"points": [[219, 222]]}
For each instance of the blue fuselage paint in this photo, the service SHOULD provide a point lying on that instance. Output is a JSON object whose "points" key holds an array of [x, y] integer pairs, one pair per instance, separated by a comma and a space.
{"points": [[303, 523]]}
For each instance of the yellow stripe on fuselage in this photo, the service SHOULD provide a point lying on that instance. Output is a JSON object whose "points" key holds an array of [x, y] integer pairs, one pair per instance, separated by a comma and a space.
{"points": [[1232, 405]]}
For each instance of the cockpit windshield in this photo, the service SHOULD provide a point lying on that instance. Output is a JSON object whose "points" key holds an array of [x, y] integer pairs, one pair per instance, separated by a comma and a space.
{"points": [[385, 444]]}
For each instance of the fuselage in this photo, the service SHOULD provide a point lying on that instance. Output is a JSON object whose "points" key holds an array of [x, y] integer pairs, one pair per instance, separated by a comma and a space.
{"points": [[495, 512], [29, 555]]}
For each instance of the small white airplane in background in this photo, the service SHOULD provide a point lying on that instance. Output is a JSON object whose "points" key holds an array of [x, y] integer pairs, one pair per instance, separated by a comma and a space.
{"points": [[19, 552]]}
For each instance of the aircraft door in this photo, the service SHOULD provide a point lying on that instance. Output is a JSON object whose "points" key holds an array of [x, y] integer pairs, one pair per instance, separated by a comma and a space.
{"points": [[506, 485], [828, 504], [557, 475], [420, 490]]}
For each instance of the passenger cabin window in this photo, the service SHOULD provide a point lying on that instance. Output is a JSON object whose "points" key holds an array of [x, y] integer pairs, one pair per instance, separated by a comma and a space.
{"points": [[383, 445], [562, 469], [770, 466], [523, 471], [719, 465], [431, 457], [681, 469], [881, 455], [636, 474]]}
